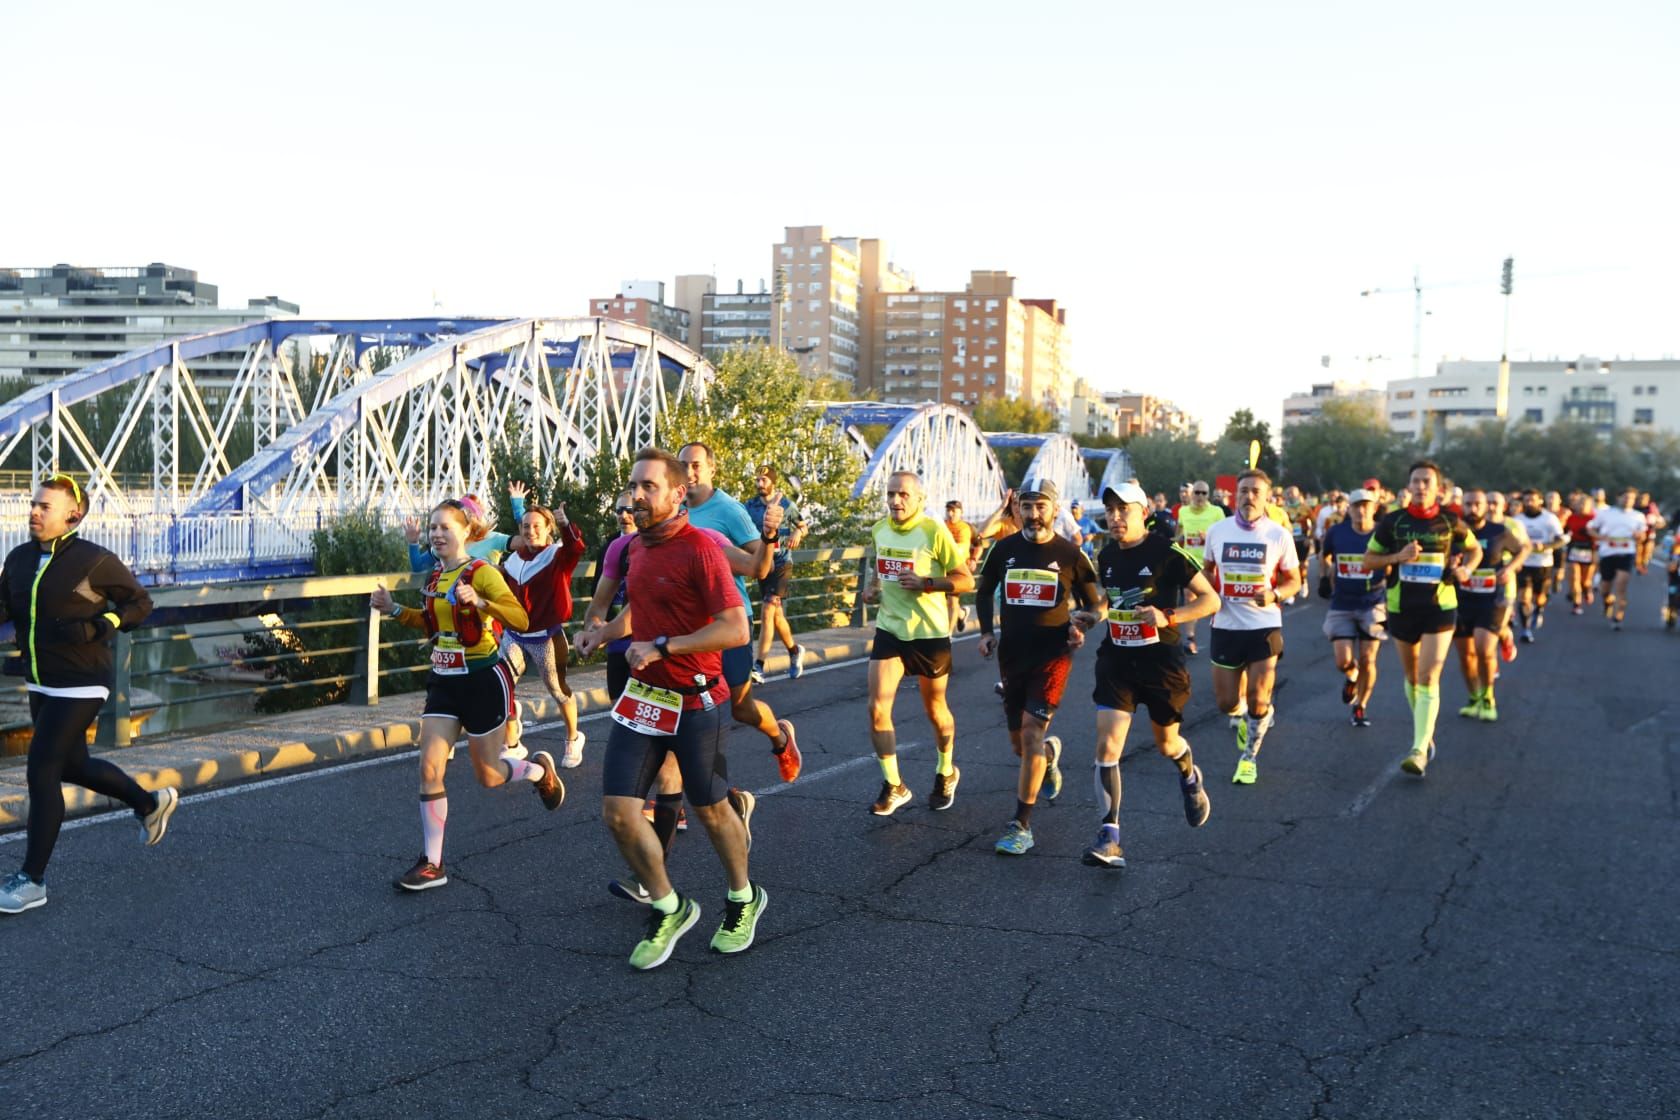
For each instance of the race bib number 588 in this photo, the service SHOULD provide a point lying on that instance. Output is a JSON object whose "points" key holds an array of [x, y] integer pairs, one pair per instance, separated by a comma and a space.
{"points": [[648, 710]]}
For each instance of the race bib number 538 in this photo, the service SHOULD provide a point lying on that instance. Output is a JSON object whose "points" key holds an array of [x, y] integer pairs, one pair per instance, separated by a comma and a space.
{"points": [[890, 563]]}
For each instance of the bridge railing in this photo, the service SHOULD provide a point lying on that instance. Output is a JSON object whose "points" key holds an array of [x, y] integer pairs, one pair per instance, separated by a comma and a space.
{"points": [[183, 671]]}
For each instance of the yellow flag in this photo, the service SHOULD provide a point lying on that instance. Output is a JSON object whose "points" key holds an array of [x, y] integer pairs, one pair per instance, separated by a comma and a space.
{"points": [[1253, 453]]}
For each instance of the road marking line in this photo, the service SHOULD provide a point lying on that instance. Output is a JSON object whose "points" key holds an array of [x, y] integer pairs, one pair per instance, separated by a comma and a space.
{"points": [[1363, 801]]}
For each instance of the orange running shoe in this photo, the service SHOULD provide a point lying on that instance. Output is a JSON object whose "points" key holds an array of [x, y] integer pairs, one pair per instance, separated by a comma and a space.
{"points": [[788, 759]]}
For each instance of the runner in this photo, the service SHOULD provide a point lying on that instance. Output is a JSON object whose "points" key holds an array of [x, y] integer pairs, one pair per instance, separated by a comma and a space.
{"points": [[1141, 663], [1560, 569], [1433, 552], [1302, 521], [65, 597], [1091, 534], [1194, 521], [1497, 506], [1582, 558], [664, 806], [1250, 560], [915, 562], [483, 542], [963, 533], [1654, 524], [1619, 532], [684, 610], [1534, 579], [1357, 621], [1039, 573], [1484, 602], [772, 589], [711, 508], [469, 687], [539, 573]]}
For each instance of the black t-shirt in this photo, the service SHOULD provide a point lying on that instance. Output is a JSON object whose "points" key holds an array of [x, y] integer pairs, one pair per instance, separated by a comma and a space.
{"points": [[1422, 584], [1155, 572], [1038, 582]]}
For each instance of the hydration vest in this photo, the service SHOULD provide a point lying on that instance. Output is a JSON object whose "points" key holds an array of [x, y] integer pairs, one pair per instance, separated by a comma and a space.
{"points": [[469, 624]]}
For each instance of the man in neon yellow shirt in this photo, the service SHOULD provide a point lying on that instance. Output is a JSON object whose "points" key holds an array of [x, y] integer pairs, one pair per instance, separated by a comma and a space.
{"points": [[916, 564], [1193, 522]]}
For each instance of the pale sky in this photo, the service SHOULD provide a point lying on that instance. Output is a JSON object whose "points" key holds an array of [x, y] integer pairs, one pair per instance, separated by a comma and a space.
{"points": [[1206, 188]]}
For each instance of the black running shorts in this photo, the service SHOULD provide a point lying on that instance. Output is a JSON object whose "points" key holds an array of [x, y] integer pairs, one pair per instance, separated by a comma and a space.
{"points": [[1236, 649], [774, 587], [481, 700], [1478, 612], [1610, 565], [1536, 579], [922, 657], [1410, 626], [632, 760], [1035, 690], [1160, 683]]}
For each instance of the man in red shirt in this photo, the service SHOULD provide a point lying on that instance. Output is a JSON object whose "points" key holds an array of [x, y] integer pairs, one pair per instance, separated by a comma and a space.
{"points": [[684, 611]]}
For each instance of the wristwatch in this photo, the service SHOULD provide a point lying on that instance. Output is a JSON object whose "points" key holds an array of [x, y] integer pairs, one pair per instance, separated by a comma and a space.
{"points": [[660, 643], [395, 611], [1168, 612]]}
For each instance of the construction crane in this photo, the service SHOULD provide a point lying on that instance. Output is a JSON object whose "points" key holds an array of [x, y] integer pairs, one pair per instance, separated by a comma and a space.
{"points": [[1417, 289]]}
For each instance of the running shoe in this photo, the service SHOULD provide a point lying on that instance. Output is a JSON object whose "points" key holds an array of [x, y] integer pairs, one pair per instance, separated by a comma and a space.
{"points": [[1358, 719], [1247, 771], [647, 808], [517, 751], [998, 688], [20, 893], [154, 824], [1052, 767], [1347, 691], [1507, 647], [1539, 624], [663, 933], [1106, 852], [1528, 635], [740, 922], [788, 759], [572, 758], [1197, 807], [1473, 709], [1418, 760], [743, 802], [944, 790], [630, 890], [1239, 723], [1015, 840], [682, 818], [423, 876], [796, 662], [1615, 624], [891, 799], [549, 787], [757, 673], [1489, 712]]}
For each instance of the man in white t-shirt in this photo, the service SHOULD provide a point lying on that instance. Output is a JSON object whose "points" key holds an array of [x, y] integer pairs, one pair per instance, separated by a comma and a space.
{"points": [[1534, 579], [1617, 532], [1251, 561]]}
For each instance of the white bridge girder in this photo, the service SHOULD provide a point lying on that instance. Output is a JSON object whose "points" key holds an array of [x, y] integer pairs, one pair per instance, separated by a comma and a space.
{"points": [[943, 445]]}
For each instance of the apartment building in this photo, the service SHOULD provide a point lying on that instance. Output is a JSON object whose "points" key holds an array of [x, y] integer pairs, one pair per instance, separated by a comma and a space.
{"points": [[643, 302], [690, 295], [738, 318], [1146, 414], [818, 314], [1298, 408], [58, 320]]}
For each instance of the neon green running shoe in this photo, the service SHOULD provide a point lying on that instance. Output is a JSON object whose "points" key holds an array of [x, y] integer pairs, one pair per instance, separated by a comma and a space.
{"points": [[663, 933], [1240, 725], [740, 922], [1472, 710], [1489, 712], [1247, 771]]}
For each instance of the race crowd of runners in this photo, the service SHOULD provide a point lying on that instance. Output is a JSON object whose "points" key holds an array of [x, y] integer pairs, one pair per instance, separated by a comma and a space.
{"points": [[1430, 568]]}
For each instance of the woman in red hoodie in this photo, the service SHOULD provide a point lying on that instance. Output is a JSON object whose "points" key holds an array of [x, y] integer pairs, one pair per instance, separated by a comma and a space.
{"points": [[539, 572]]}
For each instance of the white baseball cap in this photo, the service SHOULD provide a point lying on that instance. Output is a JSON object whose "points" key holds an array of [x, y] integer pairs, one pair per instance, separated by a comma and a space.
{"points": [[1126, 492]]}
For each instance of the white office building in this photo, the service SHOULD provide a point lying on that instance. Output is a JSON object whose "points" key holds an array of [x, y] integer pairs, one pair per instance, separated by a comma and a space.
{"points": [[1607, 393]]}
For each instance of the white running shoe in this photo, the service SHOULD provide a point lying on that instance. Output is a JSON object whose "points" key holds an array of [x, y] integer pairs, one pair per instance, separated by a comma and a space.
{"points": [[573, 756]]}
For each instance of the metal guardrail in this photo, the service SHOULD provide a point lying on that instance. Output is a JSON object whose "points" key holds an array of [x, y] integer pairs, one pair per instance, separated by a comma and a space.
{"points": [[823, 593]]}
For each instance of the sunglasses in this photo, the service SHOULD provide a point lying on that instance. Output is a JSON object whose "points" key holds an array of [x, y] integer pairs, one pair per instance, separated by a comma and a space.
{"points": [[75, 487], [1200, 493], [626, 510]]}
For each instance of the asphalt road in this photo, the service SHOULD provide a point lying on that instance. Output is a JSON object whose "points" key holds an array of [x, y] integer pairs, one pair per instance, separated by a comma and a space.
{"points": [[1499, 940]]}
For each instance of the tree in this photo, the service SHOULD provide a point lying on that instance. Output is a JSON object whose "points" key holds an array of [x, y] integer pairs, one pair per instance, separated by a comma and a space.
{"points": [[1242, 428], [757, 411], [1006, 414], [1163, 460], [1348, 441]]}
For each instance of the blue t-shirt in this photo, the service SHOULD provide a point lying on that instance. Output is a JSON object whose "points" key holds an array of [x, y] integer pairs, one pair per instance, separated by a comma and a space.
{"points": [[1345, 546], [729, 517], [755, 507]]}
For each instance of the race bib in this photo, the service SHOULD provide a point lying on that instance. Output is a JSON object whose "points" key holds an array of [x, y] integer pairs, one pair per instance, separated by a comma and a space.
{"points": [[1580, 554], [1195, 540], [890, 563], [648, 710], [1482, 581], [449, 658], [1616, 545], [1031, 587], [1246, 586], [1125, 628], [1427, 568], [1351, 565]]}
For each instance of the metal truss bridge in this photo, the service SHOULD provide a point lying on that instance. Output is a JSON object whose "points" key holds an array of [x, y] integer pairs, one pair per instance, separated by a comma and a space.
{"points": [[196, 478]]}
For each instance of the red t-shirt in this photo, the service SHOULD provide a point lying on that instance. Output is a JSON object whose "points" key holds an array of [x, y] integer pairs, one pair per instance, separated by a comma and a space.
{"points": [[676, 588], [1576, 527]]}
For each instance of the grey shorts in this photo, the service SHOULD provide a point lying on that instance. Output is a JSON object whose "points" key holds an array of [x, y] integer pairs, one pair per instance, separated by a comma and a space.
{"points": [[1370, 624]]}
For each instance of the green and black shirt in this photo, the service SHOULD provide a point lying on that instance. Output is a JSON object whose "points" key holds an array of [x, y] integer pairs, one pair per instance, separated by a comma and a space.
{"points": [[1422, 584]]}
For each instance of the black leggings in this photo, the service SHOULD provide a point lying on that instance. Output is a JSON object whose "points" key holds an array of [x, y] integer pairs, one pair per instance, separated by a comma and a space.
{"points": [[57, 754]]}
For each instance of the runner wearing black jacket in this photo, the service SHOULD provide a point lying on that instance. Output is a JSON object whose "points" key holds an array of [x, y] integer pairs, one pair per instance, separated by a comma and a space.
{"points": [[66, 596]]}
